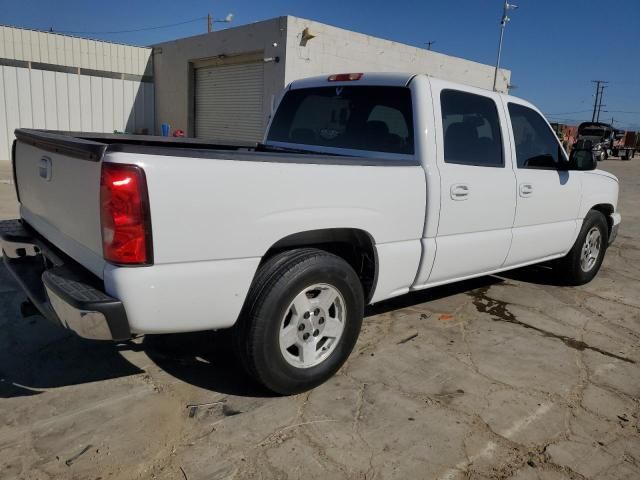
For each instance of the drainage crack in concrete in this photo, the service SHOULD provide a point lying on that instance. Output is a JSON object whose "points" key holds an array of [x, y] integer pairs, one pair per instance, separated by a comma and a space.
{"points": [[500, 313]]}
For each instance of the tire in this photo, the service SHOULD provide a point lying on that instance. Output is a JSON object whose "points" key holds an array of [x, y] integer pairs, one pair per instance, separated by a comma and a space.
{"points": [[572, 266], [285, 294]]}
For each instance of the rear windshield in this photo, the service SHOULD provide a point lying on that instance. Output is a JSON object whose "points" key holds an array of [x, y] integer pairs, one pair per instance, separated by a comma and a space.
{"points": [[368, 118]]}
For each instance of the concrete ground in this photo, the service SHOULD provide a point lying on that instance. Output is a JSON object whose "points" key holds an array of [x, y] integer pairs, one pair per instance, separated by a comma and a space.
{"points": [[508, 377]]}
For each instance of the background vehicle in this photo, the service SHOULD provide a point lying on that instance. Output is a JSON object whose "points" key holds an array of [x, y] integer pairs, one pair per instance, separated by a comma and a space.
{"points": [[600, 135], [366, 187], [624, 144]]}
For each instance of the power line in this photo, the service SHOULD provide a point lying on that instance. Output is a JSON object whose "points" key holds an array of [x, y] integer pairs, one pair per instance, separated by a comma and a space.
{"points": [[623, 111], [585, 111], [566, 113], [158, 27]]}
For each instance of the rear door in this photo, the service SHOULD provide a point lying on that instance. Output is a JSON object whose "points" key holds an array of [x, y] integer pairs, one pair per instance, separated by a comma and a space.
{"points": [[477, 183], [548, 196]]}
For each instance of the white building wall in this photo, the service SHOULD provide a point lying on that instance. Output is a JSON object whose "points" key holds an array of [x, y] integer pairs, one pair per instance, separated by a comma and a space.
{"points": [[58, 49], [101, 87], [66, 101]]}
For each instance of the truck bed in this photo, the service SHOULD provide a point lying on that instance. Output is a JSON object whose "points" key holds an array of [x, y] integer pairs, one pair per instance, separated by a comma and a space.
{"points": [[58, 176]]}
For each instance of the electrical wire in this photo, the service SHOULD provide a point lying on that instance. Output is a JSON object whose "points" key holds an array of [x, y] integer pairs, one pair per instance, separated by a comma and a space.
{"points": [[566, 113], [622, 111], [158, 27]]}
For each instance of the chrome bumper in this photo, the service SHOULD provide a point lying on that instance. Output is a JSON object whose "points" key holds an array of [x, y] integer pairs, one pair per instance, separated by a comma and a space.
{"points": [[61, 289]]}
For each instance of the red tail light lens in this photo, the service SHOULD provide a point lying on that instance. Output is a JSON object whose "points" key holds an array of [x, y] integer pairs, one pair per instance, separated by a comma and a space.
{"points": [[344, 77], [124, 214]]}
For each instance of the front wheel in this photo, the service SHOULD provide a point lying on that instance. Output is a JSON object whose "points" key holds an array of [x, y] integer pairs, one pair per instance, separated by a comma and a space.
{"points": [[301, 320], [583, 261]]}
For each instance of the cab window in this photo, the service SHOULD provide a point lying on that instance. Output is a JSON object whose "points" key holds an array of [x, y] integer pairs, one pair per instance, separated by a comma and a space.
{"points": [[536, 144], [471, 127]]}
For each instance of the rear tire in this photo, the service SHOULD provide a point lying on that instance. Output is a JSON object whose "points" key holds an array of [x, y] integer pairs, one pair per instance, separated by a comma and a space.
{"points": [[300, 321], [583, 261]]}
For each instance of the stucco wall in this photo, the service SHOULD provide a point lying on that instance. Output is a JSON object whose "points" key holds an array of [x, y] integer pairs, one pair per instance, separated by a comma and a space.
{"points": [[173, 61], [335, 50]]}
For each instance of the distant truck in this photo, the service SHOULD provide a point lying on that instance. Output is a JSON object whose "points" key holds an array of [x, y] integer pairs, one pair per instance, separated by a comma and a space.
{"points": [[624, 144], [601, 136]]}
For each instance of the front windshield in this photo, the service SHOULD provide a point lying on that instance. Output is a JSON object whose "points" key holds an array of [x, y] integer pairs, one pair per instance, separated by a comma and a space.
{"points": [[593, 132]]}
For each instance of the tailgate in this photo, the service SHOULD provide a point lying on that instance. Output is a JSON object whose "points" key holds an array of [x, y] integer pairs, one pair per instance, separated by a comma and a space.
{"points": [[58, 183]]}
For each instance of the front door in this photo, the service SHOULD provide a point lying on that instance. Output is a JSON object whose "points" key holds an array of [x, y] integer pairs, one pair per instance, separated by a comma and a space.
{"points": [[548, 196], [478, 192]]}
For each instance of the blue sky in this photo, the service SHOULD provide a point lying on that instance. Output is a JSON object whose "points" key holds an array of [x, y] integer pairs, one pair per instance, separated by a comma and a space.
{"points": [[554, 48]]}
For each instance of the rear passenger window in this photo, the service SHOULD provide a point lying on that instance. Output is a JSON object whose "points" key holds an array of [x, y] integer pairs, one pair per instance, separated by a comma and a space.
{"points": [[536, 144], [471, 129]]}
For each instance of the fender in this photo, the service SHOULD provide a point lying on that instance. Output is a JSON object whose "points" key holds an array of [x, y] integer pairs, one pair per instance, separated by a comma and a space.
{"points": [[599, 188]]}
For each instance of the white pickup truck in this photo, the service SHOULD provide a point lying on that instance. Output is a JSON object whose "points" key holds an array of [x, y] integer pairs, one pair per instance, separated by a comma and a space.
{"points": [[367, 186]]}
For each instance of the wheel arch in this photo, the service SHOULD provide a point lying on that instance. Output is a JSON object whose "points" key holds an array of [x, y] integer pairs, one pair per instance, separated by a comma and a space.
{"points": [[355, 246], [607, 210]]}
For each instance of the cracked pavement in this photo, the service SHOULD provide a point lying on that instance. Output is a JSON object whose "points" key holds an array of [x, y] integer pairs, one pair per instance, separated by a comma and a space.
{"points": [[503, 377]]}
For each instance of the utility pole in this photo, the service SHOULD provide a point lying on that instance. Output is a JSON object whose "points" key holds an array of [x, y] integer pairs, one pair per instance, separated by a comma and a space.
{"points": [[429, 43], [209, 23], [597, 99], [600, 105], [503, 23]]}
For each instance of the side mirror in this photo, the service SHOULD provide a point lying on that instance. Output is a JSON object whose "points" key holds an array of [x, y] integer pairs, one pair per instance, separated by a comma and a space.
{"points": [[581, 159]]}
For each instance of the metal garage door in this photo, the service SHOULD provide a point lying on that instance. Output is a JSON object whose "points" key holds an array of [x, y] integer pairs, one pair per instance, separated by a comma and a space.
{"points": [[228, 102]]}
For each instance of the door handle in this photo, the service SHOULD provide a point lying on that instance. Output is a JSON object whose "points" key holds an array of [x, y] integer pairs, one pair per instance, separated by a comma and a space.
{"points": [[526, 189], [459, 191]]}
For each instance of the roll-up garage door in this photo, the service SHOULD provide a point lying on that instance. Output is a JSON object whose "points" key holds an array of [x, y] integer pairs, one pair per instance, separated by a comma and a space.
{"points": [[228, 102]]}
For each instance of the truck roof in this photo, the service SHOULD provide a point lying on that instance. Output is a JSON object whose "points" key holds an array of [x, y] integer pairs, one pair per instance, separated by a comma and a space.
{"points": [[392, 79], [368, 78]]}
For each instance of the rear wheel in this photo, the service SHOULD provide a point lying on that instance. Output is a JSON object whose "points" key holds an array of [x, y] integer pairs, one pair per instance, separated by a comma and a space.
{"points": [[583, 261], [301, 320]]}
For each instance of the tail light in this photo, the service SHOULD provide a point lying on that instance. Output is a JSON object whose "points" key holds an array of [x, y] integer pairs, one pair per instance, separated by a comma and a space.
{"points": [[124, 215], [344, 77]]}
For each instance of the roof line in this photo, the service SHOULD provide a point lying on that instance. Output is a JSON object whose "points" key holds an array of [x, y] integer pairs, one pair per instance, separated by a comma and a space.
{"points": [[73, 36]]}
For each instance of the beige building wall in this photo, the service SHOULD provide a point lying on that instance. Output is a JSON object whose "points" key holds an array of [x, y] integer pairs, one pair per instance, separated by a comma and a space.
{"points": [[335, 50], [174, 62]]}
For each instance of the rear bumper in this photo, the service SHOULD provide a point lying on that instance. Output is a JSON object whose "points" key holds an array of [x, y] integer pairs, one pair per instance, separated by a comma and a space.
{"points": [[62, 290]]}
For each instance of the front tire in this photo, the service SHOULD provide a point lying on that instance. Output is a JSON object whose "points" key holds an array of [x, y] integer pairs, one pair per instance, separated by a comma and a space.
{"points": [[583, 261], [301, 320]]}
